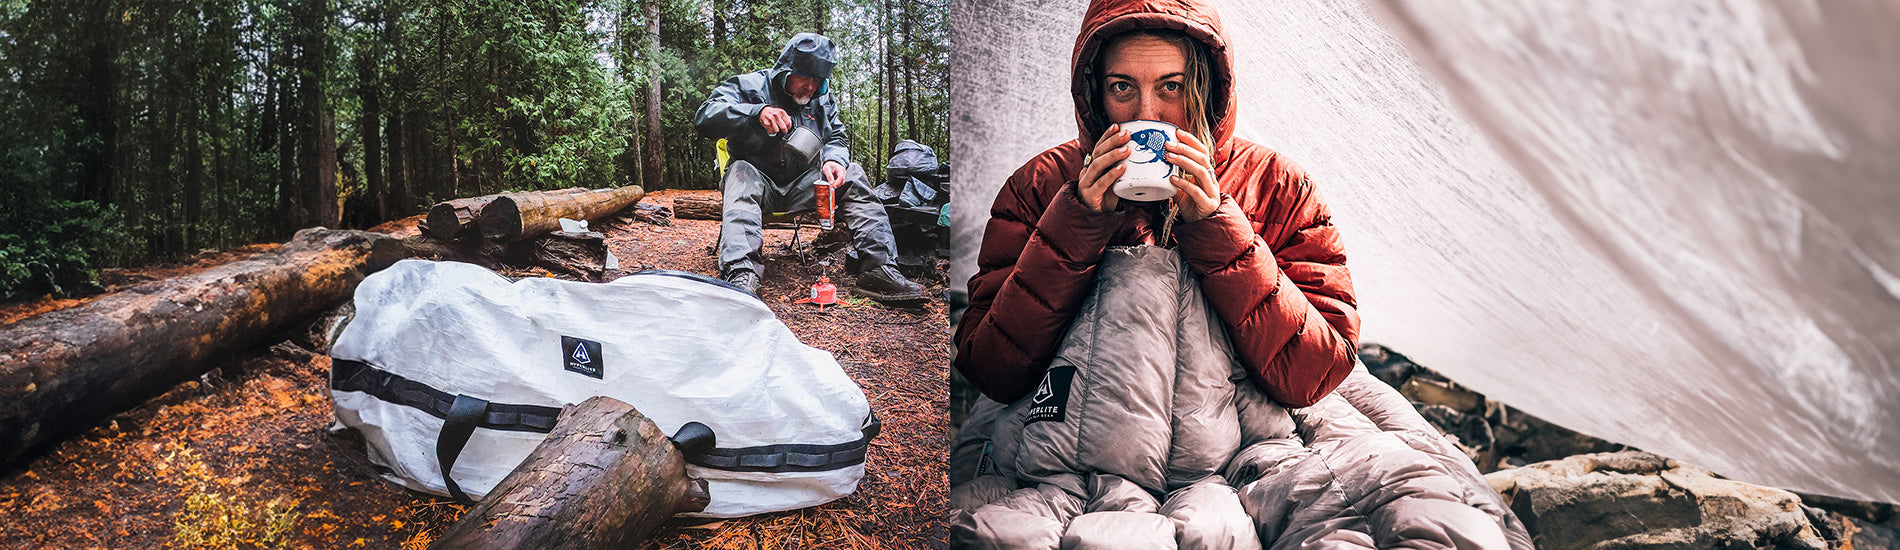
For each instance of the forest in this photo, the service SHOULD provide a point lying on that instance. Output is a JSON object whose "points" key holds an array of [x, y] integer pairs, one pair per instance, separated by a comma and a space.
{"points": [[136, 131]]}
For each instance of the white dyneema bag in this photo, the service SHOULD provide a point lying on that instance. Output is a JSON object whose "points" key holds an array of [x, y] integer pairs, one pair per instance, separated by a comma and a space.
{"points": [[450, 364]]}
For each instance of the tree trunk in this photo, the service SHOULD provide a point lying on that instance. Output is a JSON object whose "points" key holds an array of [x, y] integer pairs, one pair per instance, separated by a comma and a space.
{"points": [[654, 168], [606, 477], [67, 369], [369, 126], [515, 216], [890, 87], [910, 92], [401, 191]]}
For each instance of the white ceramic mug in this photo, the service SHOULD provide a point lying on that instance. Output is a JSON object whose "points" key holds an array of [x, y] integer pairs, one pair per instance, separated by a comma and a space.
{"points": [[1148, 168]]}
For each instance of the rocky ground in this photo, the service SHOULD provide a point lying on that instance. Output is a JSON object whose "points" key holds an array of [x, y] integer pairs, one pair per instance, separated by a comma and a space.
{"points": [[1574, 491], [241, 458]]}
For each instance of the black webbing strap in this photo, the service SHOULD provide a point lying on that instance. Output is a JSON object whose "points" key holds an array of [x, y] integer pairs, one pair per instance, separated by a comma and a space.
{"points": [[347, 375], [789, 457], [461, 414], [464, 414]]}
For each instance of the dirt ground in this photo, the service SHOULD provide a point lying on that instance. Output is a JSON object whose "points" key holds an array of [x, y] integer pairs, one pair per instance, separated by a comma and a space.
{"points": [[241, 458]]}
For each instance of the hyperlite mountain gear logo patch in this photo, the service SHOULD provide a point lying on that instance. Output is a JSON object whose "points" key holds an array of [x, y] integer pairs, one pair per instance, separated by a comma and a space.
{"points": [[582, 356], [1051, 400]]}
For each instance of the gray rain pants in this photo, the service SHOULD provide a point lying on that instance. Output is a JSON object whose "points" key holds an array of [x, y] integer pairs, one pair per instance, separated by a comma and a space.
{"points": [[749, 192]]}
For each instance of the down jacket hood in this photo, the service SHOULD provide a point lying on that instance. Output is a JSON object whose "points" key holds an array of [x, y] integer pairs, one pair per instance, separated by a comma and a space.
{"points": [[1108, 18]]}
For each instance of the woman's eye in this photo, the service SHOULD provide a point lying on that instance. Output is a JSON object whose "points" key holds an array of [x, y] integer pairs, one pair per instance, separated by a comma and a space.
{"points": [[1119, 87], [1171, 86]]}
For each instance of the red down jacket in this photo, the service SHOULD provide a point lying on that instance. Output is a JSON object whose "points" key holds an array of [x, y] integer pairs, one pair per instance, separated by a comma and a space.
{"points": [[1270, 259]]}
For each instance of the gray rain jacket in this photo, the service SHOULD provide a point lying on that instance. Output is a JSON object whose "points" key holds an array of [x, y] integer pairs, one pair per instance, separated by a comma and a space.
{"points": [[733, 110]]}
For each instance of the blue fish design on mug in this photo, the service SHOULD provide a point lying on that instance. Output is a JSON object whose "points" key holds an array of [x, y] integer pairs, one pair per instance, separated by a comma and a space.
{"points": [[1153, 141]]}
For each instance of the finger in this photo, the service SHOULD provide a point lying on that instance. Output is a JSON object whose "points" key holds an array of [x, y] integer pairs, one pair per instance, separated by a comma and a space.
{"points": [[1110, 141], [1108, 177], [1102, 191], [1189, 139], [1100, 186], [1202, 177], [1105, 162], [1194, 154], [1188, 166], [1190, 191], [1107, 133]]}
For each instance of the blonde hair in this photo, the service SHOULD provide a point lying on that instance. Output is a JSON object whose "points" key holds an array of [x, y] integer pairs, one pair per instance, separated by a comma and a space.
{"points": [[1197, 80]]}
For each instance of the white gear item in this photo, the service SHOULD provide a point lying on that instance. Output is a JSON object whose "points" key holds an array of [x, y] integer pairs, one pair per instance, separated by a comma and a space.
{"points": [[444, 353]]}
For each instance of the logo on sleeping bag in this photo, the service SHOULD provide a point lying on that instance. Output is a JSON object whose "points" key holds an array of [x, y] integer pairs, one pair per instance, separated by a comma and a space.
{"points": [[1051, 400], [582, 356]]}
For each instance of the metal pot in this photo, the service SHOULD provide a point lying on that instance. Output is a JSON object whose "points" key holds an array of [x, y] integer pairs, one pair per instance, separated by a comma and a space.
{"points": [[803, 144]]}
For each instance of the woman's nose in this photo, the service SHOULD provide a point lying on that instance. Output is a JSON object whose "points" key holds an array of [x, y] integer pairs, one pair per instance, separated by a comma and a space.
{"points": [[1147, 107]]}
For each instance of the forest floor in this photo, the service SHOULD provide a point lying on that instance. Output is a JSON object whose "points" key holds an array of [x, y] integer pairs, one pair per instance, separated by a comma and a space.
{"points": [[242, 457]]}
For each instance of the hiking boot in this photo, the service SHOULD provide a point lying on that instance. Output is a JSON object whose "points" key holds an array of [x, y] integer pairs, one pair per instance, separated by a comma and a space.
{"points": [[887, 286], [745, 279]]}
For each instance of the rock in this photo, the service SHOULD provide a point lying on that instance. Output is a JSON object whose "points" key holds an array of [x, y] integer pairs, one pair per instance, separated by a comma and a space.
{"points": [[1639, 500], [1491, 433], [1469, 432]]}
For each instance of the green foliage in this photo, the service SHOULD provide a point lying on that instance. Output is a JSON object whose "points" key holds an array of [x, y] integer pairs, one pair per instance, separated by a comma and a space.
{"points": [[212, 518], [139, 130], [55, 247]]}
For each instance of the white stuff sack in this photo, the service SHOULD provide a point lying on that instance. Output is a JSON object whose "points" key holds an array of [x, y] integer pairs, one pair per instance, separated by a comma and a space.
{"points": [[434, 340]]}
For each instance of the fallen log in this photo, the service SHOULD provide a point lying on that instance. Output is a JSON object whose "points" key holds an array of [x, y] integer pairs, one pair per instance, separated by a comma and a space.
{"points": [[456, 219], [450, 220], [653, 214], [62, 371], [582, 256], [696, 208], [579, 256], [515, 216], [606, 477]]}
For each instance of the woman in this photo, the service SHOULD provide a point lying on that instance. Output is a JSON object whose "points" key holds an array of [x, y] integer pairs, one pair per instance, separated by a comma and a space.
{"points": [[1246, 220]]}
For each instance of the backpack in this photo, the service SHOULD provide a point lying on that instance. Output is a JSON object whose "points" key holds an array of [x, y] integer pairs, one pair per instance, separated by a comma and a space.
{"points": [[450, 367]]}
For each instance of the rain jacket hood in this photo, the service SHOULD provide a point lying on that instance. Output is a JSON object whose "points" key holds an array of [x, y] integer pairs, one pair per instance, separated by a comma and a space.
{"points": [[731, 112], [1108, 19], [809, 54]]}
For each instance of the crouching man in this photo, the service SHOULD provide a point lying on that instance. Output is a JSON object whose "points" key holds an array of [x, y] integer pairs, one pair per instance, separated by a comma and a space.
{"points": [[754, 112]]}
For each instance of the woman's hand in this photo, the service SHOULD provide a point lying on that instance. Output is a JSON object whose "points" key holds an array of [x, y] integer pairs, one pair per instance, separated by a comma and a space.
{"points": [[1198, 194], [1100, 172]]}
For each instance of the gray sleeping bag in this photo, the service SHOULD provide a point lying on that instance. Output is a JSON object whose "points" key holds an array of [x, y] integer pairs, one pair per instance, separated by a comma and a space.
{"points": [[1146, 432]]}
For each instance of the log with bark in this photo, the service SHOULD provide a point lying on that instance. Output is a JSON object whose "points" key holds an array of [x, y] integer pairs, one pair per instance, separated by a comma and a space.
{"points": [[696, 208], [577, 256], [580, 256], [606, 477], [652, 213], [63, 371], [515, 216], [457, 219]]}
